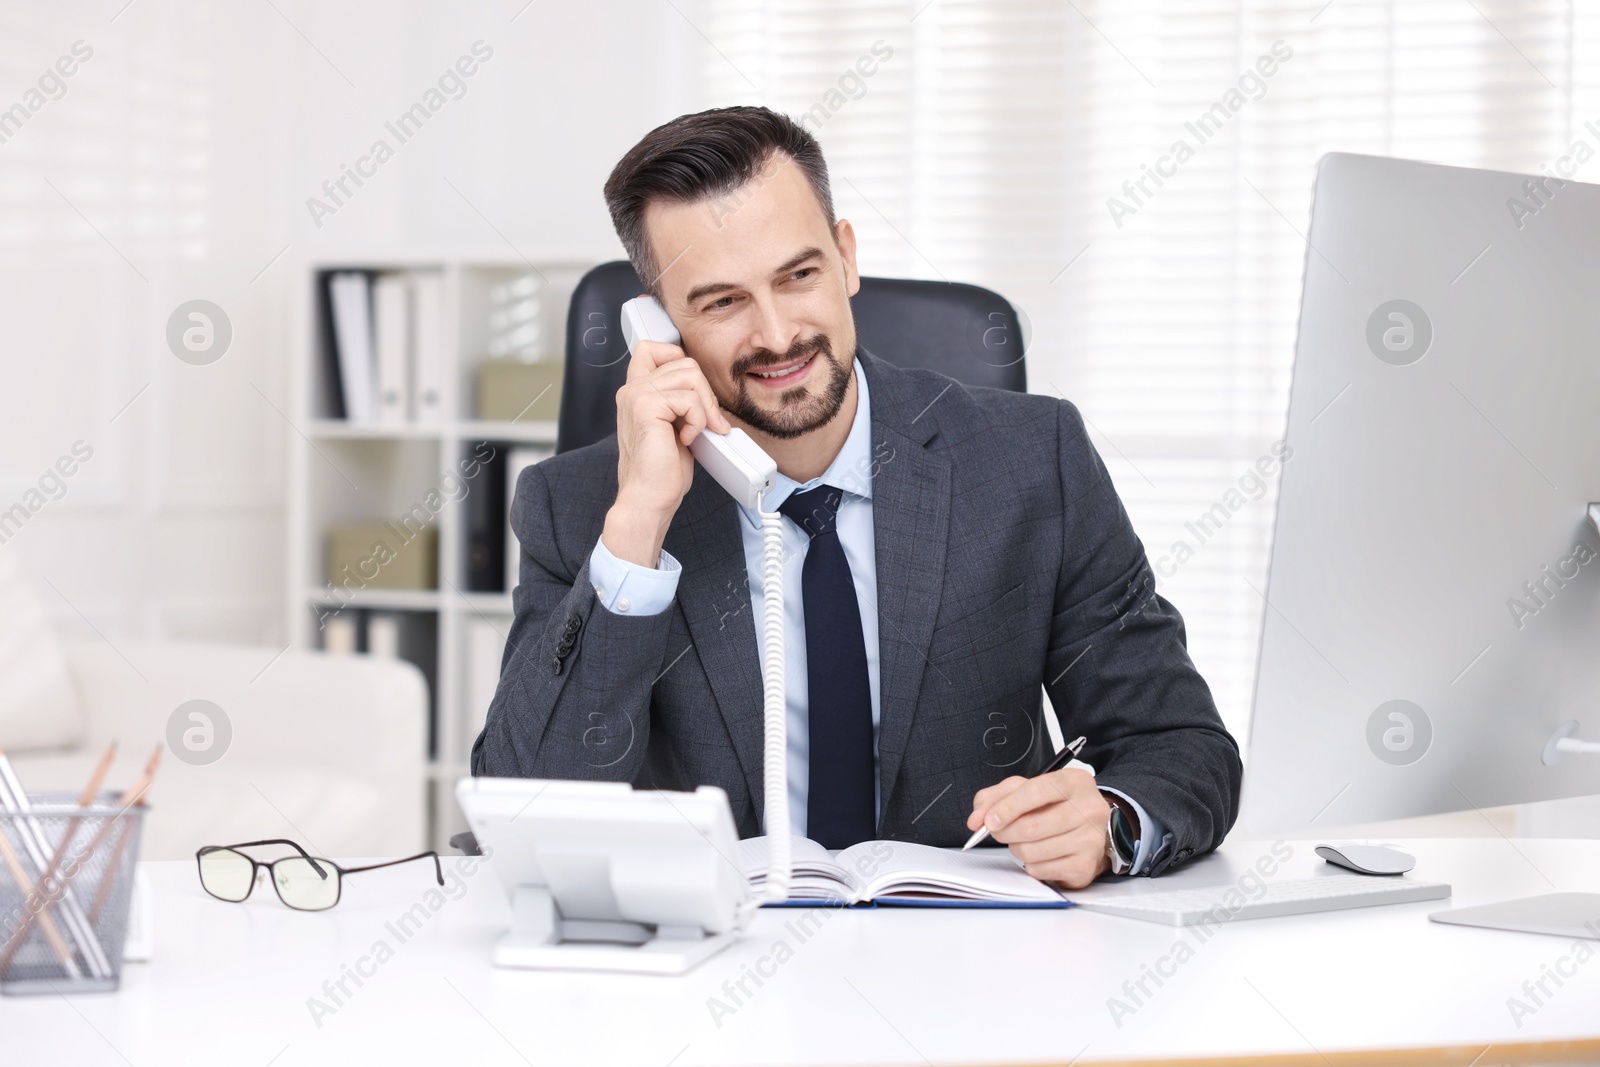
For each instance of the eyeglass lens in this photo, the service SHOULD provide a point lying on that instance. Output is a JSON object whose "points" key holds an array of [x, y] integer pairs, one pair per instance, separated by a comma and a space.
{"points": [[300, 886], [227, 874]]}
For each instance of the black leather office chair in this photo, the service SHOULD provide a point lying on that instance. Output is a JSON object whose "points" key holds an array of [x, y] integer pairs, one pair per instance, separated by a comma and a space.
{"points": [[968, 332]]}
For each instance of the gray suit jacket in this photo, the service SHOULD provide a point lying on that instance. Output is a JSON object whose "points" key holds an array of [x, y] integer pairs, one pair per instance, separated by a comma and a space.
{"points": [[1006, 565]]}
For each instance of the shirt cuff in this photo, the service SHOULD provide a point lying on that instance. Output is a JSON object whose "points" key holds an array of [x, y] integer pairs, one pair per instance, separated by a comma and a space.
{"points": [[1150, 832], [628, 589]]}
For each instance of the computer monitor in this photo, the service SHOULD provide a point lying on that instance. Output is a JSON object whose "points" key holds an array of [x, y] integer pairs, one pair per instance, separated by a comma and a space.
{"points": [[1432, 609]]}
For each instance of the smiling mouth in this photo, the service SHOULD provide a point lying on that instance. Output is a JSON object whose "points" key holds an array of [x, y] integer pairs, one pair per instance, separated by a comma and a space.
{"points": [[783, 375]]}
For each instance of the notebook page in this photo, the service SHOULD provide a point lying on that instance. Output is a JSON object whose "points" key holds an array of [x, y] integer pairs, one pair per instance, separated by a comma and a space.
{"points": [[910, 869], [815, 874]]}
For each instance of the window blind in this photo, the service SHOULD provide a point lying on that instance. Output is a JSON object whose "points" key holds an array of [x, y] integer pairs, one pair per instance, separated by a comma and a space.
{"points": [[994, 144], [117, 145]]}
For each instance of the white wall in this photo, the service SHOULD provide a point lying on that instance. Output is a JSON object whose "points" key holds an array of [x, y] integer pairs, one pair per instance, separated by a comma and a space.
{"points": [[177, 166]]}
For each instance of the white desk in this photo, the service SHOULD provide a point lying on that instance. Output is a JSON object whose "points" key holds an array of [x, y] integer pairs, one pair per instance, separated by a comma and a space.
{"points": [[229, 983]]}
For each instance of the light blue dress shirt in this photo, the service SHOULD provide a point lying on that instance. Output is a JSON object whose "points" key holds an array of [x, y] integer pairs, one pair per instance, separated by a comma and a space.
{"points": [[627, 588]]}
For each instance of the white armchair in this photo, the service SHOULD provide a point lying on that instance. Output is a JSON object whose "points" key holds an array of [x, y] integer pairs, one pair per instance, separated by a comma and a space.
{"points": [[328, 750]]}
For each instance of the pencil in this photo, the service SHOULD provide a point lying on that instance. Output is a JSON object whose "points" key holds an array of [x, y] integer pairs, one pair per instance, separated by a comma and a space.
{"points": [[134, 794]]}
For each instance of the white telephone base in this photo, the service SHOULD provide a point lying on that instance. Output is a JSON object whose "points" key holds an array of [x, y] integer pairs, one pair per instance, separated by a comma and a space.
{"points": [[537, 942]]}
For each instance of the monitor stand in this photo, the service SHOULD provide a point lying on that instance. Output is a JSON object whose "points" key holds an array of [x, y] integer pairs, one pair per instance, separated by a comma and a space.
{"points": [[1570, 915], [1561, 914], [541, 939]]}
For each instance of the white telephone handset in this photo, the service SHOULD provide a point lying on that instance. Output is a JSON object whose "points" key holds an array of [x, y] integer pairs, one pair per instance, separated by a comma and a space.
{"points": [[748, 474], [735, 461]]}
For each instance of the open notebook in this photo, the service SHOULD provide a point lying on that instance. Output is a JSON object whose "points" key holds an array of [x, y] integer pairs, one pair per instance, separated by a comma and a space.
{"points": [[904, 873]]}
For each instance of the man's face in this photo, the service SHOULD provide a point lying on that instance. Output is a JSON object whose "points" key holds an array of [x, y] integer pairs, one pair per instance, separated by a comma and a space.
{"points": [[760, 289]]}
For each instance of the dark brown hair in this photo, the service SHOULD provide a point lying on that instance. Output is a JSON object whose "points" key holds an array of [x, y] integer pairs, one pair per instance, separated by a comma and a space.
{"points": [[700, 157]]}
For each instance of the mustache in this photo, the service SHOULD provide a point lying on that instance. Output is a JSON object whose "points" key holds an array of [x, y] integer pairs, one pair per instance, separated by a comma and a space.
{"points": [[764, 359]]}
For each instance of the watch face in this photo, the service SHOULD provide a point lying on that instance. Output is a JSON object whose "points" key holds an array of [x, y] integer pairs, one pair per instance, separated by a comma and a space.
{"points": [[1122, 834]]}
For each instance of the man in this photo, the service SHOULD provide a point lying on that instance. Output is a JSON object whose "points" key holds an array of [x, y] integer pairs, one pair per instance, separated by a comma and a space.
{"points": [[950, 552]]}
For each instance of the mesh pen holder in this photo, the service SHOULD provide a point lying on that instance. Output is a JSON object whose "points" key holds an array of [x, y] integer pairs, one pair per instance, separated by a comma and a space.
{"points": [[66, 882]]}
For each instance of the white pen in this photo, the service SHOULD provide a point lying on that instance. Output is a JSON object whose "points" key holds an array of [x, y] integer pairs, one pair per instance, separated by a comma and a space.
{"points": [[1062, 758]]}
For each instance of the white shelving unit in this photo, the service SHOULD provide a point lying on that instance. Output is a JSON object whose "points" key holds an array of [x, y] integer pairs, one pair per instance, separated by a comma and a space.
{"points": [[339, 472]]}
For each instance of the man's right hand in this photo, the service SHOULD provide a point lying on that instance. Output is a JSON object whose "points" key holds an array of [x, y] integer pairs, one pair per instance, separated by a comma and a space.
{"points": [[662, 407]]}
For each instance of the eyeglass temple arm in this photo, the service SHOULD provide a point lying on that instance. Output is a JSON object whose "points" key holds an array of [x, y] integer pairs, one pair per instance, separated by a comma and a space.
{"points": [[438, 869], [275, 841]]}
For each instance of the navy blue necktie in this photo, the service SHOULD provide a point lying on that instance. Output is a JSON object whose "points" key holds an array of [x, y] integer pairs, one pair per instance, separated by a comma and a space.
{"points": [[840, 810]]}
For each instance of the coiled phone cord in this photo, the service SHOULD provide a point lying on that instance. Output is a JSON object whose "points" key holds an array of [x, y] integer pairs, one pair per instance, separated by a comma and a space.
{"points": [[775, 709]]}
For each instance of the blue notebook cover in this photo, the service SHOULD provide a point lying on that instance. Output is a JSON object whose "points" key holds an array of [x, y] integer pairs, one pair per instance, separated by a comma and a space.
{"points": [[904, 902], [930, 903]]}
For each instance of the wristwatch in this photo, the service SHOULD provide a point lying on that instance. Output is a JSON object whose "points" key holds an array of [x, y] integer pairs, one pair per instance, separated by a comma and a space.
{"points": [[1122, 834]]}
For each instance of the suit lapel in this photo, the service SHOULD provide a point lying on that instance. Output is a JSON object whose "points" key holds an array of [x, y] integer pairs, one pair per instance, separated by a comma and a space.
{"points": [[714, 594], [911, 527]]}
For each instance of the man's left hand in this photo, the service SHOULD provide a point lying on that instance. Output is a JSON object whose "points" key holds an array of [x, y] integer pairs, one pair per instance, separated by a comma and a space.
{"points": [[1055, 824]]}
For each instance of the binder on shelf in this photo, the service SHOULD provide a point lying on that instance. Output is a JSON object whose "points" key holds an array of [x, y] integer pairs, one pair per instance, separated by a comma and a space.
{"points": [[339, 634], [419, 644], [517, 460], [391, 315], [350, 297], [383, 634], [485, 649], [428, 349], [486, 524]]}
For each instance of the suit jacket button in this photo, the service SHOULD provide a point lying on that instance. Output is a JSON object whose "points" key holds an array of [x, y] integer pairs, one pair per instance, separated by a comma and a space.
{"points": [[556, 662], [1185, 853], [574, 623]]}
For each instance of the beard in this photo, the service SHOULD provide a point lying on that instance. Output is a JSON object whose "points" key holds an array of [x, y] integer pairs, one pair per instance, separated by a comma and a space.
{"points": [[799, 409]]}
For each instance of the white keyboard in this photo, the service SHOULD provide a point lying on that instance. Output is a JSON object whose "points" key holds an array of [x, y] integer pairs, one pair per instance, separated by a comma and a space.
{"points": [[1298, 896]]}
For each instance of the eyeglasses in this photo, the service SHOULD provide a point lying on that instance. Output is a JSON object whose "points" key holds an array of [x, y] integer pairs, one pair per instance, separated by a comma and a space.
{"points": [[303, 882]]}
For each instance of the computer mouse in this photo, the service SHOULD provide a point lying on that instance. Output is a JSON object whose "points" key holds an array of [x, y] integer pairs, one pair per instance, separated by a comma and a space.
{"points": [[1368, 859]]}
